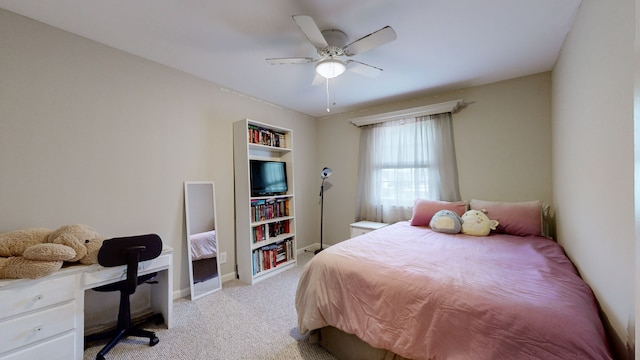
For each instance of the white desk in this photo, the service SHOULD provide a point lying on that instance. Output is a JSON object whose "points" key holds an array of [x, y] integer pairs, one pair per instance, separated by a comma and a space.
{"points": [[44, 318]]}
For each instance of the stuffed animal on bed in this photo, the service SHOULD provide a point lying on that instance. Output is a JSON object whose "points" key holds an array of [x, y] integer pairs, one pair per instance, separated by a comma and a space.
{"points": [[446, 221], [36, 252], [477, 223]]}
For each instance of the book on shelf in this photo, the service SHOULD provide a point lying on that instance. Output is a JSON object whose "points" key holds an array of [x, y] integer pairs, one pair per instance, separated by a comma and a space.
{"points": [[264, 136], [279, 228], [259, 234], [262, 209], [271, 256]]}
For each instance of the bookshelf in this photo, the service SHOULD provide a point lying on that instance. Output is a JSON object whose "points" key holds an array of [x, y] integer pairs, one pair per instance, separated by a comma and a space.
{"points": [[265, 225]]}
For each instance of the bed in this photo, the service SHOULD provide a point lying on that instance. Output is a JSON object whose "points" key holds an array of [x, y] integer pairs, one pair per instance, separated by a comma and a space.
{"points": [[204, 253], [407, 292]]}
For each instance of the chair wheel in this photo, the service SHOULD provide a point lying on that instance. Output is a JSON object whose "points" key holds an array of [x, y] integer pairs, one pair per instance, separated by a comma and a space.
{"points": [[99, 357], [153, 341]]}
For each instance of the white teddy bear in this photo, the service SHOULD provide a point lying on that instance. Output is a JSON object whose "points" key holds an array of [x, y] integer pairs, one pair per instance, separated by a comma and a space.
{"points": [[477, 223]]}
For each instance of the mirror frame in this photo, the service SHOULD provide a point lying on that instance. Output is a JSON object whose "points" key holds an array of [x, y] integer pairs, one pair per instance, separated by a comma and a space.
{"points": [[189, 190]]}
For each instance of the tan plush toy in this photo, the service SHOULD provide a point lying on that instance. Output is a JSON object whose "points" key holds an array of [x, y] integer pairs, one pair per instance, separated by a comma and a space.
{"points": [[477, 223], [36, 252], [82, 239]]}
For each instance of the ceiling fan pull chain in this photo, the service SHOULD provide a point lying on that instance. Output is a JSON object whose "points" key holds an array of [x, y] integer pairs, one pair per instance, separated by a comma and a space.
{"points": [[328, 109], [334, 99]]}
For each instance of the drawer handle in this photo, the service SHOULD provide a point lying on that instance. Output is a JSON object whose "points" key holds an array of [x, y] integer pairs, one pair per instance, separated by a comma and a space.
{"points": [[37, 329], [38, 297]]}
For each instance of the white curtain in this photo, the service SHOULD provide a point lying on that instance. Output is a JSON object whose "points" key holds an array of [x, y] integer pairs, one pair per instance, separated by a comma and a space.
{"points": [[403, 160]]}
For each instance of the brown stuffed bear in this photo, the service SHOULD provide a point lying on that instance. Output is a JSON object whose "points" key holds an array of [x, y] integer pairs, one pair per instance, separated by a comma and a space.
{"points": [[36, 252]]}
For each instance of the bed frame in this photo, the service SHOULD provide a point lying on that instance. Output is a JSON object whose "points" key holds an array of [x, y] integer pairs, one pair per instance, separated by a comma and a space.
{"points": [[346, 346]]}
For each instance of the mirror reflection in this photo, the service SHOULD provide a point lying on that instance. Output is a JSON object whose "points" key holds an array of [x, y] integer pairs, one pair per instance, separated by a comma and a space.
{"points": [[202, 241]]}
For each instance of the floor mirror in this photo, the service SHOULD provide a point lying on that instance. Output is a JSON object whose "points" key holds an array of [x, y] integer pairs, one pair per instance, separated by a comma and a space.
{"points": [[202, 239]]}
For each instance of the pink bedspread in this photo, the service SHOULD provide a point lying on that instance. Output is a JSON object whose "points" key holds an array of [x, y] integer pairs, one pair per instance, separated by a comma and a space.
{"points": [[428, 295]]}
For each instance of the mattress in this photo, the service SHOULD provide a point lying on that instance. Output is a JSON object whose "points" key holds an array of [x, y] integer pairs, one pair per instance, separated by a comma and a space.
{"points": [[428, 295]]}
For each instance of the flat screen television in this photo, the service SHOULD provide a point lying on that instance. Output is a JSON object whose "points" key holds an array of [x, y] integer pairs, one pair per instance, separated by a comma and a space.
{"points": [[268, 177]]}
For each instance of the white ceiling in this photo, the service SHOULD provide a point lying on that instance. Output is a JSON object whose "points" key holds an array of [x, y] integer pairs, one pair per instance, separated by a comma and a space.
{"points": [[441, 44]]}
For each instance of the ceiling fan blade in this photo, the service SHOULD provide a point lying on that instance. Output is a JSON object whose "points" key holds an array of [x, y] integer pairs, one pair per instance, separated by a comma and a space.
{"points": [[373, 40], [310, 29], [290, 60], [363, 69], [317, 80]]}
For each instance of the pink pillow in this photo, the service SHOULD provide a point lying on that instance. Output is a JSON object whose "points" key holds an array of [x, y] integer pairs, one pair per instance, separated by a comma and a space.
{"points": [[423, 210], [515, 218]]}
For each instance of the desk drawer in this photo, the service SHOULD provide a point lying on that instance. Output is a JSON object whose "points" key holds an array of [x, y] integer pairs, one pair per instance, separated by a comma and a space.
{"points": [[37, 326], [104, 275], [36, 294], [60, 348]]}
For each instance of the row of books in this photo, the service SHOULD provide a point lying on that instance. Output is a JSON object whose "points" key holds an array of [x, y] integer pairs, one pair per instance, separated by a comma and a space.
{"points": [[262, 136], [270, 256], [274, 229], [279, 228], [269, 209], [259, 233]]}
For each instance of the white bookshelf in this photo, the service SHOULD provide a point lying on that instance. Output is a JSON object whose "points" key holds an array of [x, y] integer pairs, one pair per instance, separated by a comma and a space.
{"points": [[257, 236]]}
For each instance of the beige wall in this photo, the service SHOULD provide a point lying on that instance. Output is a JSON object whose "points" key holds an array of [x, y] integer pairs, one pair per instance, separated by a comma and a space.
{"points": [[636, 138], [92, 135], [502, 140], [593, 161]]}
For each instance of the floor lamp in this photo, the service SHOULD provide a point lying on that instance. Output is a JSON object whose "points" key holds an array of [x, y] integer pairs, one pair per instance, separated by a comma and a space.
{"points": [[324, 174]]}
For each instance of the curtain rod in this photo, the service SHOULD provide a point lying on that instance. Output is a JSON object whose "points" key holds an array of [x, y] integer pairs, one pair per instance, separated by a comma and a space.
{"points": [[449, 106]]}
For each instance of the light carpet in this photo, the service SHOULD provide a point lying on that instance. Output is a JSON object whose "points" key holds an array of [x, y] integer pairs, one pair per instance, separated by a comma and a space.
{"points": [[238, 322]]}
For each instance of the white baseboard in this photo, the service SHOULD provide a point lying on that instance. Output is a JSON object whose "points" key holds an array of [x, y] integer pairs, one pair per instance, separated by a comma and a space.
{"points": [[229, 276], [181, 293], [312, 248], [232, 275], [187, 292]]}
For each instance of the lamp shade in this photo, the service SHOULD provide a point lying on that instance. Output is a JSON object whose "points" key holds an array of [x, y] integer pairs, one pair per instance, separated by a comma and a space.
{"points": [[325, 173], [330, 68]]}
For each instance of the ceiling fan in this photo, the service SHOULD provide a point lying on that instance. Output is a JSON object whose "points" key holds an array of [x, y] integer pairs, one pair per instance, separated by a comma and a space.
{"points": [[332, 45]]}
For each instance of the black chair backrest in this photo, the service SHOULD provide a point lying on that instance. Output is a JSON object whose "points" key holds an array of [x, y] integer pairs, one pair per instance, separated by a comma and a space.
{"points": [[130, 250]]}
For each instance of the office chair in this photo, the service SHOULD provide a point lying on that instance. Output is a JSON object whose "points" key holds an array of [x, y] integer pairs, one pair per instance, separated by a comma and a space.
{"points": [[127, 251]]}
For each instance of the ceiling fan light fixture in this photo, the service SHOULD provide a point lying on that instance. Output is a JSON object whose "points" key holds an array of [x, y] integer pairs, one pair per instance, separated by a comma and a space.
{"points": [[330, 68]]}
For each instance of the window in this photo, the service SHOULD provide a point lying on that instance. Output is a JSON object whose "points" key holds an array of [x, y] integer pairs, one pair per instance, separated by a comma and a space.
{"points": [[402, 160]]}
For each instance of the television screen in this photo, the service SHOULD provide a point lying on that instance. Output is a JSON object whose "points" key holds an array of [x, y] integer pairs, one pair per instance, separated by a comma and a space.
{"points": [[268, 178]]}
